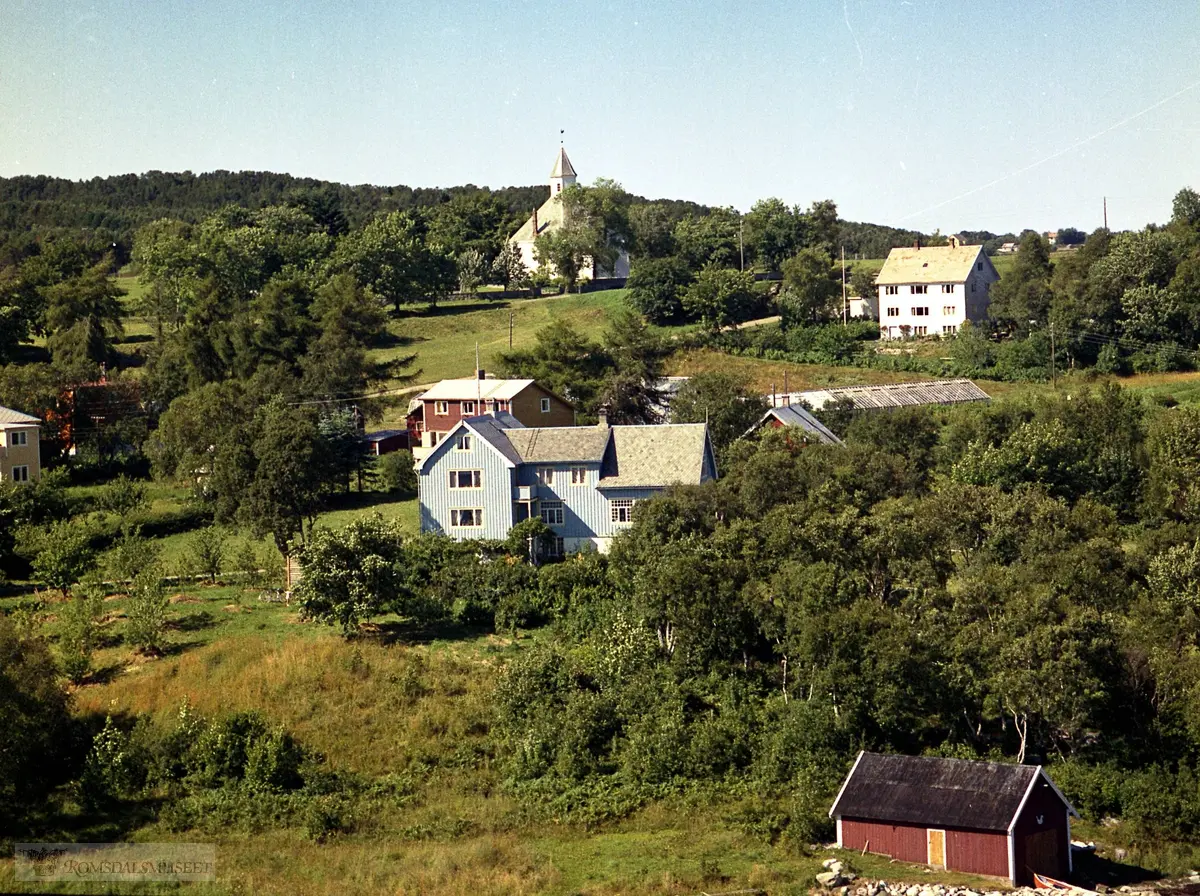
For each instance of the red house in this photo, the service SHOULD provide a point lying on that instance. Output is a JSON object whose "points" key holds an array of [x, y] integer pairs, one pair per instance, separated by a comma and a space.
{"points": [[959, 815]]}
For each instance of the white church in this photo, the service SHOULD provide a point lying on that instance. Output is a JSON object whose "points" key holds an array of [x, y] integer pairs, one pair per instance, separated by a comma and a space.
{"points": [[551, 216]]}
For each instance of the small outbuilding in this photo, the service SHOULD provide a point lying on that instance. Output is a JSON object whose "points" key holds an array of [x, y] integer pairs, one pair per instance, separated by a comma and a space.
{"points": [[984, 818]]}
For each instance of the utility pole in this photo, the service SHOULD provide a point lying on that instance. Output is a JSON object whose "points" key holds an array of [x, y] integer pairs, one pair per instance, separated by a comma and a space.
{"points": [[845, 311], [510, 328], [1053, 380], [1106, 213], [741, 247]]}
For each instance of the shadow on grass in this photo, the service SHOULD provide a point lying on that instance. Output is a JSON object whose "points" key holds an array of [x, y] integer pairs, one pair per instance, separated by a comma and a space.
{"points": [[364, 500], [411, 631], [449, 309], [105, 674], [192, 622], [1095, 869]]}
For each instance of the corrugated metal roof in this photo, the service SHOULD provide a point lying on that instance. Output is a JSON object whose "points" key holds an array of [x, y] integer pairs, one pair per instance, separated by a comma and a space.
{"points": [[934, 792], [470, 388], [929, 264], [893, 395], [8, 415], [380, 434], [795, 415], [655, 456]]}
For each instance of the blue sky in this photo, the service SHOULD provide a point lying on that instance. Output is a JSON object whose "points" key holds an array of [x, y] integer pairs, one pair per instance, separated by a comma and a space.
{"points": [[913, 113]]}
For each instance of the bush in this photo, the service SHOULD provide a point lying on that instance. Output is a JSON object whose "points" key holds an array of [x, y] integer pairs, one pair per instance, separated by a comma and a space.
{"points": [[64, 554], [396, 474], [130, 555], [78, 638], [205, 555], [147, 613], [122, 496]]}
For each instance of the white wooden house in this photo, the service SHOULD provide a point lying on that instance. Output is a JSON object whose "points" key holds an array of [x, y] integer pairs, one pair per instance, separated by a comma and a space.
{"points": [[933, 290]]}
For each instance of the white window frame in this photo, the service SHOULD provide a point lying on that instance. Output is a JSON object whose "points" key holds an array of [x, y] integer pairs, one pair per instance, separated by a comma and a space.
{"points": [[949, 310], [545, 405], [555, 547], [552, 513], [891, 290], [893, 312], [475, 479], [949, 330], [467, 408], [20, 473], [579, 476], [545, 475], [922, 289], [948, 288], [441, 408], [463, 442], [457, 519], [920, 311], [18, 439], [621, 510], [920, 330]]}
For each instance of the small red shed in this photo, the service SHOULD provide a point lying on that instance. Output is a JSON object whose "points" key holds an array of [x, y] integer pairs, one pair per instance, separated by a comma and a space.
{"points": [[961, 815]]}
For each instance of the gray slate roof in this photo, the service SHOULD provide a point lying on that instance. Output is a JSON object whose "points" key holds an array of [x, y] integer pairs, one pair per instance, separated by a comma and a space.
{"points": [[669, 454], [928, 264], [796, 415], [924, 790], [584, 444], [8, 415]]}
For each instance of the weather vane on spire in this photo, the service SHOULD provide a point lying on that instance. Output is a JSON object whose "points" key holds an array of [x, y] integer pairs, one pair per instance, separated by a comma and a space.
{"points": [[561, 131]]}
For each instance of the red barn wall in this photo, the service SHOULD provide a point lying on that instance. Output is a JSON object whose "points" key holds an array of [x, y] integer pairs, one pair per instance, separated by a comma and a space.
{"points": [[903, 842], [975, 852]]}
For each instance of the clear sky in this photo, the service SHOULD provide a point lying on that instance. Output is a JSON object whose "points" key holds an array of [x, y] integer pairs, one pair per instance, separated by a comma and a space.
{"points": [[916, 113]]}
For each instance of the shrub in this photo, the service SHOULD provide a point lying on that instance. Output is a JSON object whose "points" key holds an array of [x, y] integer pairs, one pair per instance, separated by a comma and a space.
{"points": [[396, 474], [147, 613], [130, 555], [122, 496], [206, 554], [78, 637], [64, 555]]}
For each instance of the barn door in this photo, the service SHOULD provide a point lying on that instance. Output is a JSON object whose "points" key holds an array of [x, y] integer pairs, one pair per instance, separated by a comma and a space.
{"points": [[937, 848], [1042, 853]]}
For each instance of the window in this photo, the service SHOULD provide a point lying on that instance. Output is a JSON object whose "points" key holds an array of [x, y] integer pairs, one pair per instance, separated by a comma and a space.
{"points": [[545, 405], [949, 310], [502, 405], [622, 510], [920, 290], [554, 547], [949, 330], [463, 443], [891, 290], [17, 438], [948, 288], [972, 286], [466, 479], [468, 408], [920, 331], [552, 513], [579, 476], [979, 265], [441, 408], [490, 404], [920, 312], [893, 312], [466, 517], [545, 475], [20, 474], [434, 437]]}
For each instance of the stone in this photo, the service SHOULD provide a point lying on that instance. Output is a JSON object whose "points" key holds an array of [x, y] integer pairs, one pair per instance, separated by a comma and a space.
{"points": [[828, 879], [829, 863], [913, 891]]}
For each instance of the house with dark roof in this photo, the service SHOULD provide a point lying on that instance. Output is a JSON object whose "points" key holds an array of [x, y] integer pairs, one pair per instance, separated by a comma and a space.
{"points": [[933, 290], [490, 473], [958, 815], [20, 449], [797, 417]]}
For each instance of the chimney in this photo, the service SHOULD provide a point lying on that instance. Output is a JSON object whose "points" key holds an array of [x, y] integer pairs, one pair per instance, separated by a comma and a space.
{"points": [[481, 374], [917, 243], [535, 224], [955, 242], [603, 415]]}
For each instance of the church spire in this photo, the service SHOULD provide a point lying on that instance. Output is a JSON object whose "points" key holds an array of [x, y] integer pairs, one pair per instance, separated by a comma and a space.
{"points": [[562, 174]]}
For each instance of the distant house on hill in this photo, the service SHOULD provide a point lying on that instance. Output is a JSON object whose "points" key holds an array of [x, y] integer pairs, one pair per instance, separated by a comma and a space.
{"points": [[584, 482], [20, 451], [435, 412], [958, 815], [1007, 249], [551, 216], [932, 290]]}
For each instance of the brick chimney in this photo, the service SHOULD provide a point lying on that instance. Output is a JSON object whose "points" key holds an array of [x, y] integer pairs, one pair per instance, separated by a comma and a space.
{"points": [[535, 224], [603, 415]]}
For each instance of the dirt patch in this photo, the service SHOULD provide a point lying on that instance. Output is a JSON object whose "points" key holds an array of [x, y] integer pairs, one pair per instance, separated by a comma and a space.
{"points": [[234, 608], [184, 599]]}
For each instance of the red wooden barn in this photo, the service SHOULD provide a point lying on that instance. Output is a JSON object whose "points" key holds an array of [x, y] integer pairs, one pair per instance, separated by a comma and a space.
{"points": [[978, 817]]}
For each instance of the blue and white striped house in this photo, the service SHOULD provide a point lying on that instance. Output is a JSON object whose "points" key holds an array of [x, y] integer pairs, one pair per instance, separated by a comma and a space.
{"points": [[490, 473]]}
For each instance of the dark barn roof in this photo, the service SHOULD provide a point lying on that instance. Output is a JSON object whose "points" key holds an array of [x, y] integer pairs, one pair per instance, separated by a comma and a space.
{"points": [[952, 793]]}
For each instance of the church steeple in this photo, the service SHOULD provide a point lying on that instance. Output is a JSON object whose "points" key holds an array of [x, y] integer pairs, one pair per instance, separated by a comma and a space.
{"points": [[562, 174]]}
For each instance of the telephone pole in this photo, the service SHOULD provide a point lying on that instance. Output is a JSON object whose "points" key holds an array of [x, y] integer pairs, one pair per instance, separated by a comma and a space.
{"points": [[1106, 213], [510, 328], [845, 312], [1053, 378]]}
